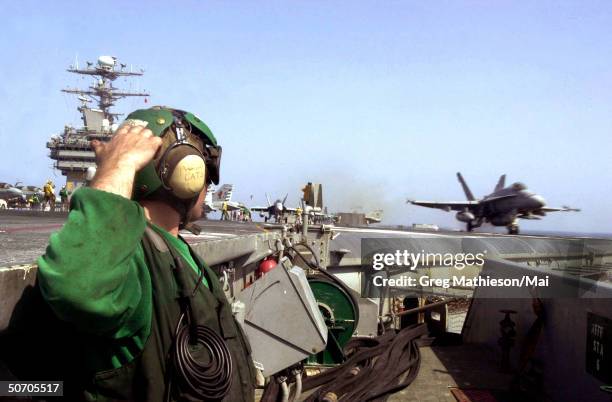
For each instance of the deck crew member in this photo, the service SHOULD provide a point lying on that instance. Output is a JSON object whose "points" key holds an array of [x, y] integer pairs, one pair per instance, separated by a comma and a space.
{"points": [[224, 214], [144, 305], [64, 197], [49, 195]]}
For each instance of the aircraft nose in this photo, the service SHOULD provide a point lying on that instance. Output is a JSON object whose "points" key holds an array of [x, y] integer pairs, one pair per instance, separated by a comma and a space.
{"points": [[538, 200]]}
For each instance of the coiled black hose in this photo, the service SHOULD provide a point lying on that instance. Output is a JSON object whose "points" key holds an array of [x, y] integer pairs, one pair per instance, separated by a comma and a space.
{"points": [[210, 380]]}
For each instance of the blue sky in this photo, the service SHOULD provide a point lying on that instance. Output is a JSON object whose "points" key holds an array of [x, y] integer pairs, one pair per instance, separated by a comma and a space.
{"points": [[379, 101]]}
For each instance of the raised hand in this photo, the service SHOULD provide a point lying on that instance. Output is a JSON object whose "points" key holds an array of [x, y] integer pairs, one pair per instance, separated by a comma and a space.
{"points": [[130, 149]]}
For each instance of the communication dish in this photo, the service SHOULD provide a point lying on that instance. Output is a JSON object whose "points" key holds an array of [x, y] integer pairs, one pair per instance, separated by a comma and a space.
{"points": [[106, 61]]}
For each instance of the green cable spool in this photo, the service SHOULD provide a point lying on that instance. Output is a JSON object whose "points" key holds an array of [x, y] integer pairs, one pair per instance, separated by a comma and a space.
{"points": [[341, 313]]}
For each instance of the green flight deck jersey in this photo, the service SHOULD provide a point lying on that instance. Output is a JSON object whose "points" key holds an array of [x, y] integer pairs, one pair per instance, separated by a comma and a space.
{"points": [[107, 279]]}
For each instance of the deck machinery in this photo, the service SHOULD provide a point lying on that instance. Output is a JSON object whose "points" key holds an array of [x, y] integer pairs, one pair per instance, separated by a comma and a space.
{"points": [[330, 257]]}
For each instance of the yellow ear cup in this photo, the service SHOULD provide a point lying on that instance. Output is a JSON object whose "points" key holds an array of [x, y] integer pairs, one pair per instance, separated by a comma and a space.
{"points": [[188, 177]]}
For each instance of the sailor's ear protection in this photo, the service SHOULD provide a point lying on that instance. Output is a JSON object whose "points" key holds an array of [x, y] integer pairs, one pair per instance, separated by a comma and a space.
{"points": [[182, 164], [188, 158]]}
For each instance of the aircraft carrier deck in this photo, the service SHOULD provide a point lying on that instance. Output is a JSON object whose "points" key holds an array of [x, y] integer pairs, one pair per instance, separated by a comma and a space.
{"points": [[473, 366], [25, 234]]}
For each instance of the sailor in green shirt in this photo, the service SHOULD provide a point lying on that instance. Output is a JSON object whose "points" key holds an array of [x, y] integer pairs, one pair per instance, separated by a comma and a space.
{"points": [[132, 288]]}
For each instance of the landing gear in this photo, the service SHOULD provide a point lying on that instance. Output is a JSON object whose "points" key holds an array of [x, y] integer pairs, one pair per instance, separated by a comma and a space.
{"points": [[513, 229], [471, 225]]}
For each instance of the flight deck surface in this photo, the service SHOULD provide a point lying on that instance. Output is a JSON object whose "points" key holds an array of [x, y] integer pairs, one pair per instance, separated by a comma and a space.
{"points": [[24, 235]]}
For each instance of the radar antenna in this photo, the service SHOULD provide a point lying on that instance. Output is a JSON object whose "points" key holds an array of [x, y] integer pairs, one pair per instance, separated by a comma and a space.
{"points": [[106, 70]]}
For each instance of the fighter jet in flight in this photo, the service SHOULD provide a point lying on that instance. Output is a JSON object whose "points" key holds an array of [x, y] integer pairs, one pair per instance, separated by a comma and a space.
{"points": [[503, 207]]}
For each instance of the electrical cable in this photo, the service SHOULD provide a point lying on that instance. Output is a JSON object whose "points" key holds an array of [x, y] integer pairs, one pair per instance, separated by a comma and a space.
{"points": [[207, 381], [375, 367], [284, 391], [298, 386]]}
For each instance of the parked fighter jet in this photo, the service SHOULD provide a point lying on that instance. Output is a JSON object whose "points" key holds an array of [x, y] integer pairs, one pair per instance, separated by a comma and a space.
{"points": [[274, 210], [30, 191], [33, 196], [9, 193], [215, 199], [502, 207], [311, 206]]}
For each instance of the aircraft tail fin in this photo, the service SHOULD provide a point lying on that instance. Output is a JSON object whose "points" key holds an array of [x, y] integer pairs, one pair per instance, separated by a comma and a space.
{"points": [[209, 194], [224, 193], [501, 183], [313, 195], [268, 199], [466, 189]]}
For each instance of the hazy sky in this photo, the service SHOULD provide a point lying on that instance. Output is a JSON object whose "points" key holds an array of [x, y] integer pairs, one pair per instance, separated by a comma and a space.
{"points": [[379, 101]]}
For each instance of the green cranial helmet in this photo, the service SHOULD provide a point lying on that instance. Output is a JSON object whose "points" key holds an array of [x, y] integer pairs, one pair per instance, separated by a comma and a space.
{"points": [[175, 127]]}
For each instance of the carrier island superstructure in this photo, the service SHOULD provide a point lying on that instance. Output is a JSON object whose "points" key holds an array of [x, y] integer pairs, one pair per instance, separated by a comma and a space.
{"points": [[71, 150]]}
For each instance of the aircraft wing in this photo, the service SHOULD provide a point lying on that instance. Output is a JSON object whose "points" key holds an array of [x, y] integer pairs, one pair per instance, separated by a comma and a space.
{"points": [[529, 216], [501, 197], [233, 206], [562, 209], [542, 212], [259, 209], [447, 206]]}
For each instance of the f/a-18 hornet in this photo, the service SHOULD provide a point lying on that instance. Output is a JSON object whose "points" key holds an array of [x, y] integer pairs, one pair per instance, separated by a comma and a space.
{"points": [[280, 211], [215, 200], [503, 207], [9, 193], [274, 210]]}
